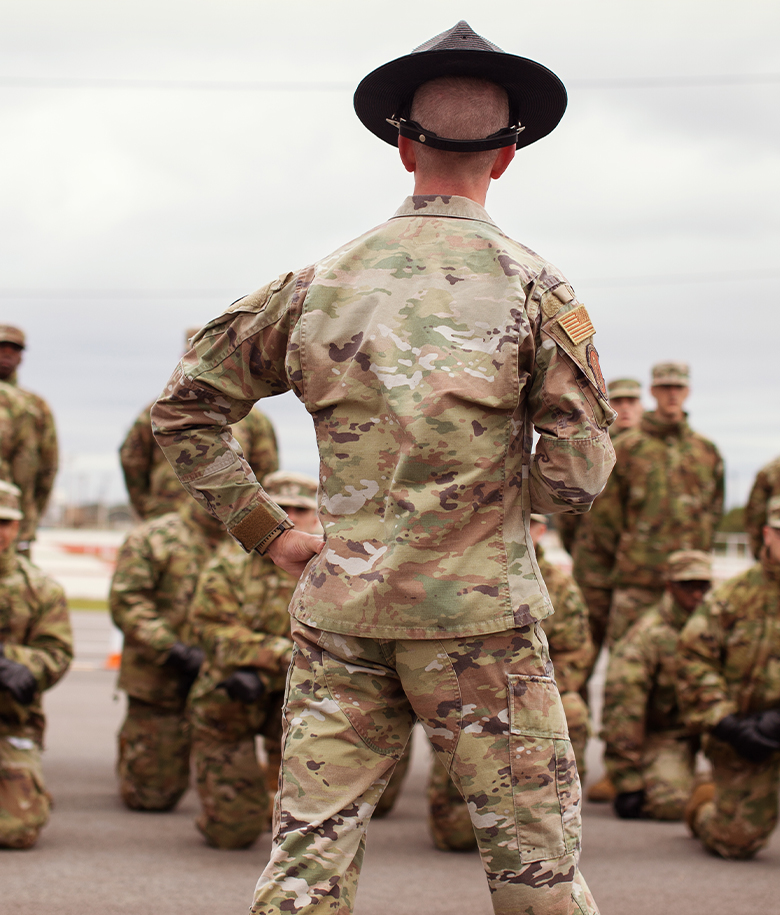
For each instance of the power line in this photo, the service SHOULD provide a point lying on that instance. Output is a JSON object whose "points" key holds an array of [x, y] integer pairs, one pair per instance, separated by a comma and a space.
{"points": [[200, 85]]}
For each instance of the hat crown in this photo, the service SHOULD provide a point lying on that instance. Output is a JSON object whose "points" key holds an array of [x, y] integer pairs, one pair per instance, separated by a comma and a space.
{"points": [[773, 512], [286, 487], [11, 334], [460, 37], [10, 501], [672, 373], [689, 565]]}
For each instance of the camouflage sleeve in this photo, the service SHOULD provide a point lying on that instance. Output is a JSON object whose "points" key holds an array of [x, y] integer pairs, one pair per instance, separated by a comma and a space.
{"points": [[568, 633], [218, 626], [48, 456], [630, 671], [255, 433], [568, 407], [132, 597], [766, 485], [135, 455], [702, 691], [24, 469], [48, 648], [236, 360]]}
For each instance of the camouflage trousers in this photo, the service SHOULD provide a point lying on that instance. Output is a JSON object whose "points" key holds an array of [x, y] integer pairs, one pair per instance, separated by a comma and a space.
{"points": [[449, 819], [492, 711], [24, 800], [740, 818], [598, 602], [154, 756], [628, 604]]}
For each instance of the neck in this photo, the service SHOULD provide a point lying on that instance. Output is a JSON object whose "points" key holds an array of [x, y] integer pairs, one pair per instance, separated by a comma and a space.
{"points": [[437, 186]]}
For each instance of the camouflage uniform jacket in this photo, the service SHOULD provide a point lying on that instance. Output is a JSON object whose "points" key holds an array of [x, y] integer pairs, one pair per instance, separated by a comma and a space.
{"points": [[426, 352], [152, 484], [240, 617], [47, 454], [19, 452], [35, 631], [155, 578], [567, 630], [640, 693], [766, 485], [665, 494], [728, 654]]}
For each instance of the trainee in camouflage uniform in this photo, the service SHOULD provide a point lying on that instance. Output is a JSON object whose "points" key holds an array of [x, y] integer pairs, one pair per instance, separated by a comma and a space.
{"points": [[426, 351], [36, 648], [12, 344], [156, 574], [766, 485], [649, 753], [240, 617], [18, 452], [729, 689], [571, 651], [152, 485], [665, 495]]}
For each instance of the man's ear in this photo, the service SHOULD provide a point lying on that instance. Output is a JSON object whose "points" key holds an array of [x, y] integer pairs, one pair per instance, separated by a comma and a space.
{"points": [[407, 153], [501, 163]]}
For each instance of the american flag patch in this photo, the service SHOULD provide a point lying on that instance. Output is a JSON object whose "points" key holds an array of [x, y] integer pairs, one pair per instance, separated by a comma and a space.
{"points": [[577, 325]]}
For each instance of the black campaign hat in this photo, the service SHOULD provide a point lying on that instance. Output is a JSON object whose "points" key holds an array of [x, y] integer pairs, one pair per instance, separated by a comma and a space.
{"points": [[537, 98]]}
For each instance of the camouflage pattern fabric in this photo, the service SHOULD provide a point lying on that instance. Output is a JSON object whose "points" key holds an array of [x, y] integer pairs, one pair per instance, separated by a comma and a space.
{"points": [[766, 485], [34, 631], [665, 494], [492, 711], [571, 652], [154, 581], [729, 663], [407, 354], [152, 484], [47, 456], [19, 452], [239, 615], [647, 745], [627, 606]]}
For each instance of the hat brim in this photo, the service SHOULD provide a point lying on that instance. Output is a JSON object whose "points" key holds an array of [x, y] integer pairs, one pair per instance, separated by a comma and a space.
{"points": [[536, 95], [10, 514]]}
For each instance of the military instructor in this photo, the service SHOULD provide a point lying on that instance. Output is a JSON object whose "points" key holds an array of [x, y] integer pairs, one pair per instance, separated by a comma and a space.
{"points": [[427, 352]]}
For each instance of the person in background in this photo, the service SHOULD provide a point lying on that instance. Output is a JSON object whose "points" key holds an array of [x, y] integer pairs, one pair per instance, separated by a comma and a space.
{"points": [[241, 619], [649, 753], [12, 346], [152, 485], [36, 648], [156, 573], [728, 661], [765, 486]]}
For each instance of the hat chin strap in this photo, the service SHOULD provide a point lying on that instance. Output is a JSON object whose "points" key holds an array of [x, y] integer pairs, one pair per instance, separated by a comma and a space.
{"points": [[507, 136]]}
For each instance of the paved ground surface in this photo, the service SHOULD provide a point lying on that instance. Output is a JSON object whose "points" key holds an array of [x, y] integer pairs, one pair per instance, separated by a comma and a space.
{"points": [[96, 857]]}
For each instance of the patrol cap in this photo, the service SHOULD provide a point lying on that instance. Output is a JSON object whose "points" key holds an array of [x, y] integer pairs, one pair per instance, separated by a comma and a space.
{"points": [[624, 387], [672, 373], [537, 98], [292, 489], [10, 497], [11, 334], [773, 512], [689, 565], [539, 519]]}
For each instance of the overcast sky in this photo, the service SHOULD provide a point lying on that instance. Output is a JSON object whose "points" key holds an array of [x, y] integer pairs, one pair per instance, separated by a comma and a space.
{"points": [[161, 159]]}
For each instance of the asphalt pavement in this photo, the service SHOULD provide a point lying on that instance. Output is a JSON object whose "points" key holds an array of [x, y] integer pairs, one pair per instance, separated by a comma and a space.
{"points": [[97, 857]]}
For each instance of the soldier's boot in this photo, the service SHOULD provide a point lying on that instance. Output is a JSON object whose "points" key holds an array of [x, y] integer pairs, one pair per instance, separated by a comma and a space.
{"points": [[702, 794], [602, 792]]}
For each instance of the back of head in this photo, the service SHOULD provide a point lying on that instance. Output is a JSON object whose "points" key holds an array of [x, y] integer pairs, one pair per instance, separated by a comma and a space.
{"points": [[462, 108]]}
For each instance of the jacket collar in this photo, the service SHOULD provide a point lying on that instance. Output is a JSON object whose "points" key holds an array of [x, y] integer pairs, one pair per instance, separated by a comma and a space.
{"points": [[440, 205]]}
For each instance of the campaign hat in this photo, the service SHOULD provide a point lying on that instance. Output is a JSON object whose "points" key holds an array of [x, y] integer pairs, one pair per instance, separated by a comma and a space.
{"points": [[537, 98]]}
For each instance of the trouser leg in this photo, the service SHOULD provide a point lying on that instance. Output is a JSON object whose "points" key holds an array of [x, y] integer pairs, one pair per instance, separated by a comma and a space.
{"points": [[346, 723], [154, 756], [235, 802], [492, 711], [668, 765], [598, 602], [24, 800], [743, 813]]}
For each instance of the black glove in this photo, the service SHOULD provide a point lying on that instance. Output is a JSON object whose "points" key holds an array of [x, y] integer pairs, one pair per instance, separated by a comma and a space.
{"points": [[244, 685], [629, 804], [769, 723], [17, 679], [186, 659], [745, 735]]}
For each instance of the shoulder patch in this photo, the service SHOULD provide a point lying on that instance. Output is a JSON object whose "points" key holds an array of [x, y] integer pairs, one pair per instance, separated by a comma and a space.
{"points": [[577, 325], [593, 363]]}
